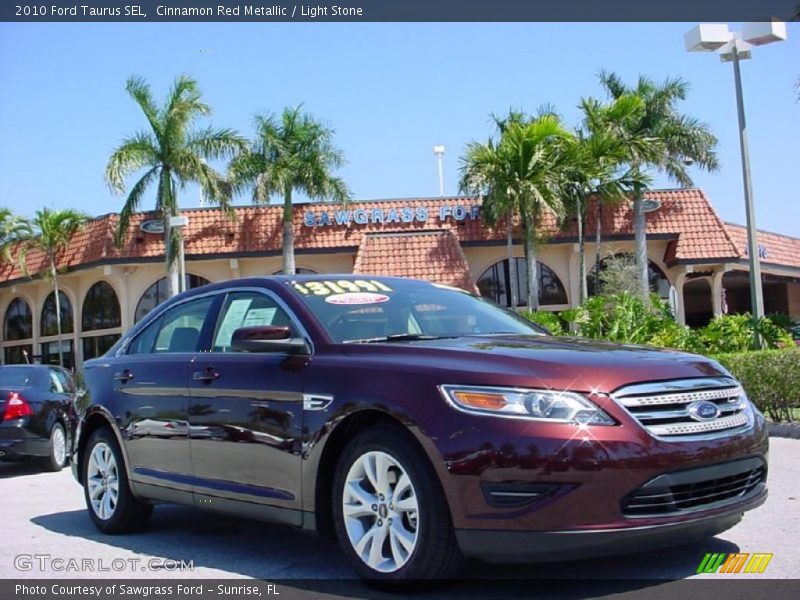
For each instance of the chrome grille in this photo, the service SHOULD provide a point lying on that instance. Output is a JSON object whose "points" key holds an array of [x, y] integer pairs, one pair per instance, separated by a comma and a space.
{"points": [[669, 409]]}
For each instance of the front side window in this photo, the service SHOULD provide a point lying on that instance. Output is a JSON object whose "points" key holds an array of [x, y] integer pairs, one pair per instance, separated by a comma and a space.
{"points": [[365, 310], [246, 309]]}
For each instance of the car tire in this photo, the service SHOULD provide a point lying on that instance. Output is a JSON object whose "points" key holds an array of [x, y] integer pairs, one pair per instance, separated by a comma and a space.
{"points": [[386, 492], [57, 459], [111, 505]]}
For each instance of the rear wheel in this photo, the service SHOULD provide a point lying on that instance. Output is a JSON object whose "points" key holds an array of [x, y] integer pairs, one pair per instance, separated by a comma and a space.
{"points": [[58, 449], [390, 513], [112, 507]]}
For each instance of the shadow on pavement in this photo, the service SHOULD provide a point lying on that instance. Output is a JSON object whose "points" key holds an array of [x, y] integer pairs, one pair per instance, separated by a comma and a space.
{"points": [[18, 468], [306, 562]]}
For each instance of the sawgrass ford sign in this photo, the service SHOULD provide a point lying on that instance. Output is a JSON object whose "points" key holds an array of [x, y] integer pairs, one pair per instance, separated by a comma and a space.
{"points": [[408, 214]]}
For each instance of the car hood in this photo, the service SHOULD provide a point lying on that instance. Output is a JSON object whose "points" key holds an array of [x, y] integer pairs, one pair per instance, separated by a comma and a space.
{"points": [[548, 361]]}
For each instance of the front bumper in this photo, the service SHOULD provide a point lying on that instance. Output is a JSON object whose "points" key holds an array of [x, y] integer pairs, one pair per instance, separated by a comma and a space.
{"points": [[544, 546]]}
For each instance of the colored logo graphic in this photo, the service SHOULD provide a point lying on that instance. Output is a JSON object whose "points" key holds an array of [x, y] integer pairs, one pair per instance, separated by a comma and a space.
{"points": [[739, 562]]}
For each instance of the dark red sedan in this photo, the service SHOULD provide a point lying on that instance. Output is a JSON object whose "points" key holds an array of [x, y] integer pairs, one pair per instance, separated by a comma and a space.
{"points": [[417, 423]]}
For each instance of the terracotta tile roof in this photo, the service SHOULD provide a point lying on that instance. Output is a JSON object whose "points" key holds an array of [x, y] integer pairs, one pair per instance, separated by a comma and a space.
{"points": [[780, 249], [433, 255], [685, 215]]}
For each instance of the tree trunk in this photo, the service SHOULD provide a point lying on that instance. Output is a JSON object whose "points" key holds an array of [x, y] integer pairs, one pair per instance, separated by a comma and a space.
{"points": [[288, 235], [58, 310], [172, 239], [640, 245], [597, 242], [530, 265], [583, 291], [512, 263]]}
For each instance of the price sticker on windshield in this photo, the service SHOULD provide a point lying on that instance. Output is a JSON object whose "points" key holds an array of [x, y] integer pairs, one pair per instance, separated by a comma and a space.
{"points": [[359, 298], [326, 287]]}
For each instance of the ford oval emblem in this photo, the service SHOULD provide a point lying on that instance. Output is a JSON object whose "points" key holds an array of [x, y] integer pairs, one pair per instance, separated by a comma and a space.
{"points": [[702, 410]]}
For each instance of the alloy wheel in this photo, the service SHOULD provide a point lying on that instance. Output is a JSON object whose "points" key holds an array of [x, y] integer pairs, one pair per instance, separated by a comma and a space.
{"points": [[381, 511], [102, 481], [59, 444]]}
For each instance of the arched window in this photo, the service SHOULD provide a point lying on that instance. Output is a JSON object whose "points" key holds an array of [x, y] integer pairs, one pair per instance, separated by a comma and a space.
{"points": [[49, 324], [18, 323], [100, 308], [659, 284], [493, 284], [157, 293]]}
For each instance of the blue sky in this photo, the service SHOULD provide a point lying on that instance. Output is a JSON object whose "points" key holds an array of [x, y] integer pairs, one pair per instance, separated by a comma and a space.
{"points": [[391, 91]]}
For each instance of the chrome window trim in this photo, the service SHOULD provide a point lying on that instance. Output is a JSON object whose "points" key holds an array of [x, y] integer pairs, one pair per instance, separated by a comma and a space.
{"points": [[157, 314]]}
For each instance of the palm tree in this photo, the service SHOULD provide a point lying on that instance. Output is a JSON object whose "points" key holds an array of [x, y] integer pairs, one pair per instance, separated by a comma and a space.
{"points": [[52, 231], [13, 230], [662, 139], [293, 152], [592, 168], [521, 175], [172, 153], [482, 173]]}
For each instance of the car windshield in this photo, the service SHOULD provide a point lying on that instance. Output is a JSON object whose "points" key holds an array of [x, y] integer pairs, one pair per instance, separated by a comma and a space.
{"points": [[15, 376], [388, 310]]}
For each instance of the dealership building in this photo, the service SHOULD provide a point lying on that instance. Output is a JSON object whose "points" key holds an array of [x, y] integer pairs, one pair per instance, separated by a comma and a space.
{"points": [[695, 258]]}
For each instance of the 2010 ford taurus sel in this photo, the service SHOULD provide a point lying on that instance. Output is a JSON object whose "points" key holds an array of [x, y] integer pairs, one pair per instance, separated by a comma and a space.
{"points": [[417, 423]]}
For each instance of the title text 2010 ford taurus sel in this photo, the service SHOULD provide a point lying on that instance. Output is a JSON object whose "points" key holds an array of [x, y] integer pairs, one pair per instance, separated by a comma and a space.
{"points": [[417, 423]]}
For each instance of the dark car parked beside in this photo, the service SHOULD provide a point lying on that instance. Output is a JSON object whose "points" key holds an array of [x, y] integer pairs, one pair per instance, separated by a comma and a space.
{"points": [[37, 406], [417, 423]]}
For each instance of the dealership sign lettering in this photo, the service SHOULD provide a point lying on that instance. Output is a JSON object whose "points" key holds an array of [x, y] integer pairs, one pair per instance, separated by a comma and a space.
{"points": [[407, 214]]}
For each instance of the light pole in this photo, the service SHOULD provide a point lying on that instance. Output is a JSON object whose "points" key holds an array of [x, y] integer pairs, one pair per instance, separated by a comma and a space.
{"points": [[734, 46], [439, 152]]}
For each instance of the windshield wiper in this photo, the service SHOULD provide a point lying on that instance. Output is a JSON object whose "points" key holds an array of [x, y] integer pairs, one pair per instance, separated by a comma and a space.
{"points": [[401, 337]]}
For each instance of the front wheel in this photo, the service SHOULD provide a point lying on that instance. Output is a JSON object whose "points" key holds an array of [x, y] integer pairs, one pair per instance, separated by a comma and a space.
{"points": [[390, 513], [112, 507]]}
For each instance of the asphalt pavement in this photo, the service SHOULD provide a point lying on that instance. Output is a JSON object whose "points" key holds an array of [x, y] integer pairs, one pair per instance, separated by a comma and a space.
{"points": [[45, 525]]}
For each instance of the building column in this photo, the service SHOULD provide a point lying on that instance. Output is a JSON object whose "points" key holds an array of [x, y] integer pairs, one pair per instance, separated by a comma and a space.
{"points": [[716, 292], [680, 309]]}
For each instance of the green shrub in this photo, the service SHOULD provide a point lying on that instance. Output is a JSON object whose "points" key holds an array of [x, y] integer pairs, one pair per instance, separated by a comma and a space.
{"points": [[735, 333], [620, 318], [771, 379], [548, 319]]}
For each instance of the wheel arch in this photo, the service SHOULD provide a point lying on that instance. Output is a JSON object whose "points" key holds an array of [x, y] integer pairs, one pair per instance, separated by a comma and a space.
{"points": [[94, 420], [346, 430]]}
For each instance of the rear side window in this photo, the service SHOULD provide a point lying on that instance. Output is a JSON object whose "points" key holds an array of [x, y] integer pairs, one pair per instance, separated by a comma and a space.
{"points": [[247, 309], [181, 326], [177, 330]]}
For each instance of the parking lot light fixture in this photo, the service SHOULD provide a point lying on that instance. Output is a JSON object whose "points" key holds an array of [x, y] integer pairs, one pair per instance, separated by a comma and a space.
{"points": [[734, 46]]}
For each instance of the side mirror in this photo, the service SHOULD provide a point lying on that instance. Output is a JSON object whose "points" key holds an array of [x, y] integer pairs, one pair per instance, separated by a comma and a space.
{"points": [[267, 338]]}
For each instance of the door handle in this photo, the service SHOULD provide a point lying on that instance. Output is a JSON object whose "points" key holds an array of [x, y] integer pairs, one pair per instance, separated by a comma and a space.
{"points": [[123, 376], [206, 376]]}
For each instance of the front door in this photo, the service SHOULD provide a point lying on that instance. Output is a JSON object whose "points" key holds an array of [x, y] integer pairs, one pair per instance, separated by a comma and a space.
{"points": [[246, 413]]}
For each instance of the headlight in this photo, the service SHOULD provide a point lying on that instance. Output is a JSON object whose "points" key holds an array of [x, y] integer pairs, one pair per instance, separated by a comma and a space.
{"points": [[538, 405]]}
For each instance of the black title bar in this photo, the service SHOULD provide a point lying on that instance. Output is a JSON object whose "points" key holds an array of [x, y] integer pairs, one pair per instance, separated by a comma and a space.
{"points": [[400, 10]]}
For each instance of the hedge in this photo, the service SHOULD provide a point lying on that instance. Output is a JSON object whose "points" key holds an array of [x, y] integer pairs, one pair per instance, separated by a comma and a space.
{"points": [[771, 379]]}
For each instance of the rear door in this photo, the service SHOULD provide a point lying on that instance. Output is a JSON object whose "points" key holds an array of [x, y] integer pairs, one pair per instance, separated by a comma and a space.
{"points": [[151, 384], [246, 412]]}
